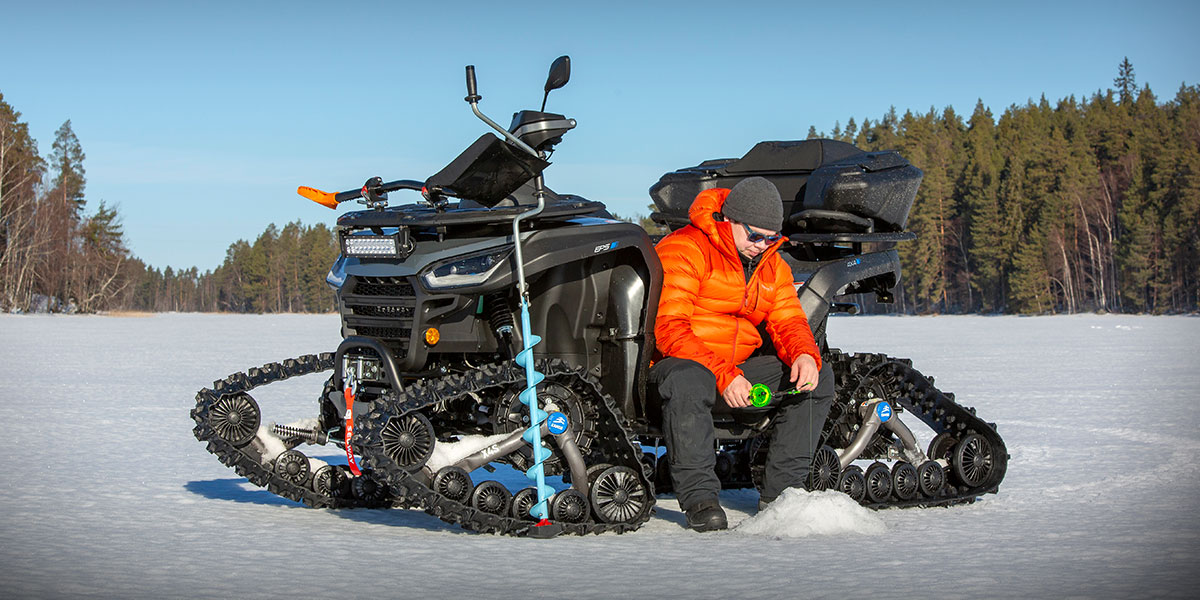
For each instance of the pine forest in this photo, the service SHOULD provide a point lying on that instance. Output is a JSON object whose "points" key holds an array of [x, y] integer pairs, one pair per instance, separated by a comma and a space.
{"points": [[1072, 206]]}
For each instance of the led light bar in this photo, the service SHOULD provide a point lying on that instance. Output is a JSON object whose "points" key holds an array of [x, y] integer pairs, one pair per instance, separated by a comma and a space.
{"points": [[374, 246]]}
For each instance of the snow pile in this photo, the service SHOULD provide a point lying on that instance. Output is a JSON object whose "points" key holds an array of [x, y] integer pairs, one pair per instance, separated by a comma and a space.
{"points": [[797, 513], [448, 453], [272, 446]]}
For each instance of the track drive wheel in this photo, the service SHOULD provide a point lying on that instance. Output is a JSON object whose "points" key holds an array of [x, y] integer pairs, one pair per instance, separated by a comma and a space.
{"points": [[453, 483], [331, 481], [941, 447], [878, 482], [523, 502], [826, 468], [853, 483], [905, 482], [369, 491], [491, 497], [724, 467], [569, 506], [235, 419], [408, 440], [972, 461], [292, 466], [932, 477], [618, 495]]}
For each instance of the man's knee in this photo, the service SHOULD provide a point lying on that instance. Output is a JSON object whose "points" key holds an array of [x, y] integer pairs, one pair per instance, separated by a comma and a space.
{"points": [[825, 391], [685, 382]]}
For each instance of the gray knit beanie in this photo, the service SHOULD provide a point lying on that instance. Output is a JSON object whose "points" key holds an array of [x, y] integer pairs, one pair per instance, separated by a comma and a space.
{"points": [[756, 202]]}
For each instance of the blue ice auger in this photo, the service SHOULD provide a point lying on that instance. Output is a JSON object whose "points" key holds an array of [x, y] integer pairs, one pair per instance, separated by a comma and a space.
{"points": [[528, 396], [560, 72], [537, 416]]}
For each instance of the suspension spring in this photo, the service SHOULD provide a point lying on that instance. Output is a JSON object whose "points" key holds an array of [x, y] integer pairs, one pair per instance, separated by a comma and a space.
{"points": [[500, 316]]}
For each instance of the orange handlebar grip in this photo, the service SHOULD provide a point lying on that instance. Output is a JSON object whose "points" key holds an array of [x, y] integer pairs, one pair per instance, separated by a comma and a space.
{"points": [[322, 198]]}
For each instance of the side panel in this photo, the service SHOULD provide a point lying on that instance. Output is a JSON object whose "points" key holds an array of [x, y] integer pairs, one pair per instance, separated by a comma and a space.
{"points": [[598, 312], [824, 280]]}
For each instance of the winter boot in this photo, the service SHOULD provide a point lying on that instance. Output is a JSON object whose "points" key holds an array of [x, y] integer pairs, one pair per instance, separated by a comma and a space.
{"points": [[707, 516]]}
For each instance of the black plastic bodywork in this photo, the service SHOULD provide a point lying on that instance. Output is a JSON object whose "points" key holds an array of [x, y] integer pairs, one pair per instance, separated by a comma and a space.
{"points": [[540, 129], [824, 280], [593, 281], [486, 172], [829, 175]]}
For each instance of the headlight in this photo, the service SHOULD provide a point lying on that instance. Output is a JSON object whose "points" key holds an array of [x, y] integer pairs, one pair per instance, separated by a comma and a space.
{"points": [[472, 269], [375, 246]]}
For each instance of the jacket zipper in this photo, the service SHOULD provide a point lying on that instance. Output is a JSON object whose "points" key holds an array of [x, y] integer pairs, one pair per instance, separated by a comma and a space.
{"points": [[737, 326]]}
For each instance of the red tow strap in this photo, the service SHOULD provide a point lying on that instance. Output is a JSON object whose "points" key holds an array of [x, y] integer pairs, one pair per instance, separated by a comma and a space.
{"points": [[349, 393]]}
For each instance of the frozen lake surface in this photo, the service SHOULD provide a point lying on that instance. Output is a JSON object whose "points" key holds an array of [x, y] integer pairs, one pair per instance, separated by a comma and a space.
{"points": [[106, 493]]}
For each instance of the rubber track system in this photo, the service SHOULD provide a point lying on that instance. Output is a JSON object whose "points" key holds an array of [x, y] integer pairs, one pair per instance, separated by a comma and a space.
{"points": [[613, 442], [895, 380], [246, 459]]}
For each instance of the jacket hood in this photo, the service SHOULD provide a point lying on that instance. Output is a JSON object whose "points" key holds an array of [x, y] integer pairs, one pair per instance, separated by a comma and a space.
{"points": [[701, 214]]}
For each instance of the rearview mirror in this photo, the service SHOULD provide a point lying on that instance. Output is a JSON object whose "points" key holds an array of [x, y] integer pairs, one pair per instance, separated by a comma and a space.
{"points": [[560, 73]]}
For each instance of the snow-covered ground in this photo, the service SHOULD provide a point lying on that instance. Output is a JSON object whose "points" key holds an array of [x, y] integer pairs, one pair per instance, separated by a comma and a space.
{"points": [[106, 494]]}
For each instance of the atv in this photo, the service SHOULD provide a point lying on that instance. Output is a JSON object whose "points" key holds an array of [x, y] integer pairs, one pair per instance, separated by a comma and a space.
{"points": [[495, 315]]}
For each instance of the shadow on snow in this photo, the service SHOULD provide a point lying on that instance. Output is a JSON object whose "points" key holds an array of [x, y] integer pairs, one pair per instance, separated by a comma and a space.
{"points": [[235, 490]]}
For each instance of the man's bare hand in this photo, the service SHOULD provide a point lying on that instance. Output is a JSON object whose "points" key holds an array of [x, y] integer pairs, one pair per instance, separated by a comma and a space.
{"points": [[737, 393], [805, 373]]}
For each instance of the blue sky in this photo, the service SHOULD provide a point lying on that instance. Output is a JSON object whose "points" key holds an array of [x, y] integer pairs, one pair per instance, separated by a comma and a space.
{"points": [[200, 119]]}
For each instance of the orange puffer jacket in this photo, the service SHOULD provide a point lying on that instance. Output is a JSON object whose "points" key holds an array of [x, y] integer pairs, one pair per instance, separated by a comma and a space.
{"points": [[709, 313]]}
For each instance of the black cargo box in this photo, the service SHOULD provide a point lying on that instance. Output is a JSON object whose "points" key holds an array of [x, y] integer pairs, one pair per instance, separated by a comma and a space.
{"points": [[812, 175]]}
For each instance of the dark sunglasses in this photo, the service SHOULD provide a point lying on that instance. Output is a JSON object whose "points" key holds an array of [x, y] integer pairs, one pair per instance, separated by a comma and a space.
{"points": [[755, 237]]}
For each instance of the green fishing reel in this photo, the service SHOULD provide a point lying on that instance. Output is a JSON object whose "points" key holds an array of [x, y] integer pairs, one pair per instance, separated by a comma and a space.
{"points": [[760, 394]]}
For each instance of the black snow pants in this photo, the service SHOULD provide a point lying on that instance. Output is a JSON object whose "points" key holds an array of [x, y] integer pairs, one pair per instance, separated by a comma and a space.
{"points": [[689, 392]]}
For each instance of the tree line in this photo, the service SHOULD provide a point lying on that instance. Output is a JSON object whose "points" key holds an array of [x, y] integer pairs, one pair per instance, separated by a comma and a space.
{"points": [[55, 257], [282, 271], [52, 255], [1089, 205]]}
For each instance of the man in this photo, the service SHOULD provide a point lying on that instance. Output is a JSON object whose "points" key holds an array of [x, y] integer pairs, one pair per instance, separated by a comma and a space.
{"points": [[722, 277]]}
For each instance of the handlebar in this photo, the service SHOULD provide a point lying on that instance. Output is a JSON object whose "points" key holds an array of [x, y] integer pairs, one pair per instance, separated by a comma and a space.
{"points": [[331, 199]]}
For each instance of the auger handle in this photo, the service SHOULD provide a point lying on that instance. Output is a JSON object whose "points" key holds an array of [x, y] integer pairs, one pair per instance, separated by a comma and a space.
{"points": [[472, 93]]}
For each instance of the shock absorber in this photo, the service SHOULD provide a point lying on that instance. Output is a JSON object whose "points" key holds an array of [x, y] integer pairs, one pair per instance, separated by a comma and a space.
{"points": [[500, 318]]}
